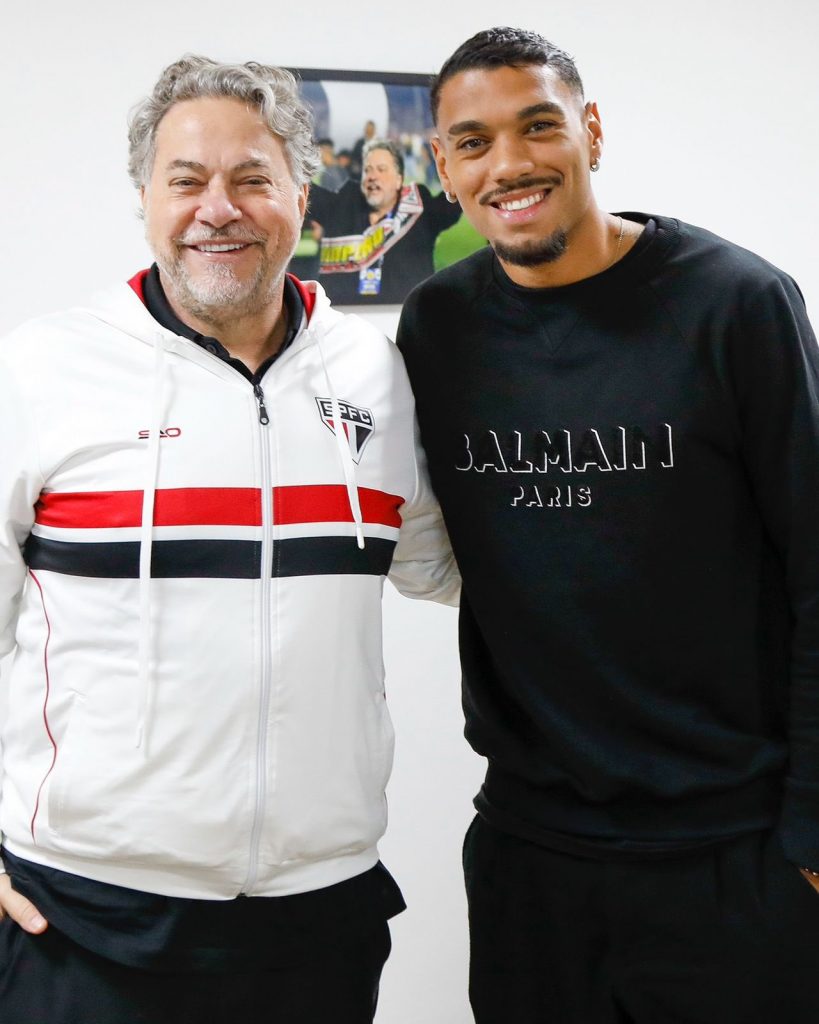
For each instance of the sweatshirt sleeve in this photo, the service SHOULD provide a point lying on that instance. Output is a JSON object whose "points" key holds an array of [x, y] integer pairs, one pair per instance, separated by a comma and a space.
{"points": [[423, 565], [774, 368]]}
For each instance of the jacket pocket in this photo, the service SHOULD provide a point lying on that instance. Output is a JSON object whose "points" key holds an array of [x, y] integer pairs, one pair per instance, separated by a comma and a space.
{"points": [[65, 764]]}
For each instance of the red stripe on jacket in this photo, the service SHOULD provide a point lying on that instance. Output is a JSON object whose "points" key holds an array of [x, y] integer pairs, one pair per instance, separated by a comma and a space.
{"points": [[215, 506]]}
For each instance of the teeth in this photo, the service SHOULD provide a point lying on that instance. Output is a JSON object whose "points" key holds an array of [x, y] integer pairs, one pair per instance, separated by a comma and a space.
{"points": [[522, 204], [220, 248]]}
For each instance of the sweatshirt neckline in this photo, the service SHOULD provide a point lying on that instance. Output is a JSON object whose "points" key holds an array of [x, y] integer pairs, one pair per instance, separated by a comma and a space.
{"points": [[660, 234]]}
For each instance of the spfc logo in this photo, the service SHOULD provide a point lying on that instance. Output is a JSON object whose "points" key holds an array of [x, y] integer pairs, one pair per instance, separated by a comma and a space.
{"points": [[357, 424]]}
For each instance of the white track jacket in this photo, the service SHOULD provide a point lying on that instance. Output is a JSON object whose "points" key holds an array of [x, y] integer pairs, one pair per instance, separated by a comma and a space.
{"points": [[193, 596]]}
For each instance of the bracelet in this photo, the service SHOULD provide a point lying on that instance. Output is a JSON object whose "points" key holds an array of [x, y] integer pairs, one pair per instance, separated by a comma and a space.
{"points": [[813, 874]]}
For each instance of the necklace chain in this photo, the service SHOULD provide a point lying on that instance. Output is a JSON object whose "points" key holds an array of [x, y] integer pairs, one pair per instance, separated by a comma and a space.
{"points": [[619, 242]]}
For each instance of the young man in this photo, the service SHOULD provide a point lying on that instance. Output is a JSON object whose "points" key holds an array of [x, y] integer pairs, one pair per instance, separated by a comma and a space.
{"points": [[621, 416], [204, 475]]}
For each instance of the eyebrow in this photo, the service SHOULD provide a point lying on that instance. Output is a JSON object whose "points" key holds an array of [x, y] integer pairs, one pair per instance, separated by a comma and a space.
{"points": [[461, 127], [193, 165], [187, 165], [253, 162]]}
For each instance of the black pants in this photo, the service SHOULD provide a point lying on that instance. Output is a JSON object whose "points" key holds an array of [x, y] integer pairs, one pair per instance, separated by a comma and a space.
{"points": [[727, 936], [47, 979]]}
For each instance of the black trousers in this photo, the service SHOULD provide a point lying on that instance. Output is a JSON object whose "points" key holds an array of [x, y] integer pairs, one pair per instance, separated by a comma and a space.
{"points": [[729, 935], [47, 979]]}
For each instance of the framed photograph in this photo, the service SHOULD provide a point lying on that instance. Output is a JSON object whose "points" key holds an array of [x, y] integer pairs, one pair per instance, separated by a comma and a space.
{"points": [[378, 222]]}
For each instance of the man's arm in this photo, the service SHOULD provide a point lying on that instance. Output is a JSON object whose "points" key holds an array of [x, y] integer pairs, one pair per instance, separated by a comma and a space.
{"points": [[20, 485], [423, 565], [438, 208], [323, 205], [773, 371]]}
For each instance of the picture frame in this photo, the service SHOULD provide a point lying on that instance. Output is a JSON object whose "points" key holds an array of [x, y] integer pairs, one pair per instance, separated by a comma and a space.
{"points": [[363, 254]]}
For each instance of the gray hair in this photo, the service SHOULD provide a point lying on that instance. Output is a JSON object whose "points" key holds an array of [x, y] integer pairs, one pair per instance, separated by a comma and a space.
{"points": [[391, 147], [272, 91]]}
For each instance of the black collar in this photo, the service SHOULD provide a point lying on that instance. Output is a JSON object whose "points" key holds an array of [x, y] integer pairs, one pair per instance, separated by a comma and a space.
{"points": [[160, 309]]}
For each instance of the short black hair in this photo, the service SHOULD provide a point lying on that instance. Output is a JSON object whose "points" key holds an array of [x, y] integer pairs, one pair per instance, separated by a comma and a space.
{"points": [[504, 47]]}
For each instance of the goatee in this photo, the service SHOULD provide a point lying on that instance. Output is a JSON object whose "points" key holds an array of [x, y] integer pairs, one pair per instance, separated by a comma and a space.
{"points": [[533, 253]]}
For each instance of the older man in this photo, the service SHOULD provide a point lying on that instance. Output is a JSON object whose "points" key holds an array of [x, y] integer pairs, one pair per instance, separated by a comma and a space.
{"points": [[621, 415], [203, 479], [378, 235]]}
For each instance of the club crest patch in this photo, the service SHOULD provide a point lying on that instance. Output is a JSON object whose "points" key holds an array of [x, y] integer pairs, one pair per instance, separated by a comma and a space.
{"points": [[358, 424]]}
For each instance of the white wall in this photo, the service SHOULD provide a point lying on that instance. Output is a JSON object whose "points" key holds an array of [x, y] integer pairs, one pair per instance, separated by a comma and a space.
{"points": [[710, 111]]}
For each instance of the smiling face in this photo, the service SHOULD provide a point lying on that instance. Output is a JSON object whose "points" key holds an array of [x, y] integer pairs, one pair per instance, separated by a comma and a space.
{"points": [[516, 145], [222, 212], [380, 181]]}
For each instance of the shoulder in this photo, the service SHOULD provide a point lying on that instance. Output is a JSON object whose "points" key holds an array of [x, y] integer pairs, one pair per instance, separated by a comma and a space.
{"points": [[357, 337], [459, 284], [31, 340], [371, 365], [446, 305], [704, 254], [731, 302], [49, 342]]}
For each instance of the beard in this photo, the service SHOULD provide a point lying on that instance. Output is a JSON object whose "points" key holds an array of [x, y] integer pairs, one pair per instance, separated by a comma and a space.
{"points": [[216, 294], [374, 199], [533, 253], [380, 201]]}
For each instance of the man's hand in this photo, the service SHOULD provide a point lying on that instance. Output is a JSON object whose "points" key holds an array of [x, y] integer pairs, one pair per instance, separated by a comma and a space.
{"points": [[813, 881], [20, 909]]}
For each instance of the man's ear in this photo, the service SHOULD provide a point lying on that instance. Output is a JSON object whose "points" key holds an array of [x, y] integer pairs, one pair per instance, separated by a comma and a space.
{"points": [[440, 163], [595, 129]]}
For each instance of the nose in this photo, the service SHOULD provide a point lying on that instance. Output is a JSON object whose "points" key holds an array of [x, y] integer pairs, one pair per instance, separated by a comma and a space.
{"points": [[217, 208], [511, 158]]}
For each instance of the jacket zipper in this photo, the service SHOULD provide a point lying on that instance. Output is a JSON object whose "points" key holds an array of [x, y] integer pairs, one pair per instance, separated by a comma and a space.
{"points": [[266, 654], [257, 391], [266, 668]]}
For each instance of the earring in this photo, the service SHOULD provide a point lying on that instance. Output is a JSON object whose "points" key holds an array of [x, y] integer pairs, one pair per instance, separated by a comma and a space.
{"points": [[595, 166], [451, 197]]}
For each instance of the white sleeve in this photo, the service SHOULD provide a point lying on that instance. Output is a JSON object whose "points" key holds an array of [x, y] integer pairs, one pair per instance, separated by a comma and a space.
{"points": [[423, 565], [20, 486]]}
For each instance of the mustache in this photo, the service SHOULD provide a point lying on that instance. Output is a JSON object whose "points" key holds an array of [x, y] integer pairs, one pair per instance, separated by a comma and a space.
{"points": [[229, 233], [516, 186]]}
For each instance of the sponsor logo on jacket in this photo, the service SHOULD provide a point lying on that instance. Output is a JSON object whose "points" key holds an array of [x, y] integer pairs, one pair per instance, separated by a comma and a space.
{"points": [[143, 435]]}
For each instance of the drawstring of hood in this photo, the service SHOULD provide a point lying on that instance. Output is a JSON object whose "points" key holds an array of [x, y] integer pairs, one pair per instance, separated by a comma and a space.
{"points": [[343, 445], [147, 678], [147, 675]]}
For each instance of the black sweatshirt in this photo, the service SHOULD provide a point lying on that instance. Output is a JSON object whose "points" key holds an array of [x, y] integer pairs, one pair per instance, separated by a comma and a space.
{"points": [[629, 471]]}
